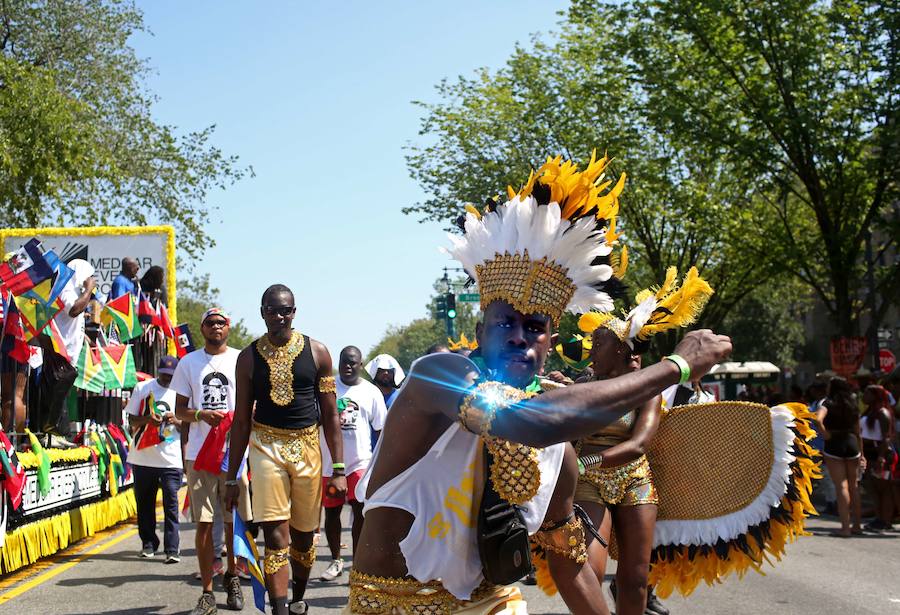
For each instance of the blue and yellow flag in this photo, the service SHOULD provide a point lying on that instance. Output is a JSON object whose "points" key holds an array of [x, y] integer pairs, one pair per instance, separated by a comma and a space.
{"points": [[245, 546]]}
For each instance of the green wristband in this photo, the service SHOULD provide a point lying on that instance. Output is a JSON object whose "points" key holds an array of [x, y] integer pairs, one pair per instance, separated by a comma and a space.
{"points": [[338, 466], [197, 416], [682, 366]]}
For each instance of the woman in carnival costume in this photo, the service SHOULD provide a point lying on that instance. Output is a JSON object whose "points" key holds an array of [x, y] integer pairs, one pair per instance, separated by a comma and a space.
{"points": [[710, 519], [617, 474]]}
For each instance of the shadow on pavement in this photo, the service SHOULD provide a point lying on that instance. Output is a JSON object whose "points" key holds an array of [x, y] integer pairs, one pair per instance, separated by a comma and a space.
{"points": [[144, 610], [113, 582], [331, 602]]}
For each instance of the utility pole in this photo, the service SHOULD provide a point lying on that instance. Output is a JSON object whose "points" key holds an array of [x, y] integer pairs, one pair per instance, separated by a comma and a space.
{"points": [[873, 314]]}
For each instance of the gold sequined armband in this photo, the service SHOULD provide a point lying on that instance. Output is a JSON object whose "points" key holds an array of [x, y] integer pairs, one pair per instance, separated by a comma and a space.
{"points": [[566, 540], [327, 385], [275, 560], [515, 473], [304, 558], [478, 408]]}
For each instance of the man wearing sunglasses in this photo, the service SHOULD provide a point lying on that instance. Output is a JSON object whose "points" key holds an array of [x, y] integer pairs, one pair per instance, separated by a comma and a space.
{"points": [[287, 377], [204, 383]]}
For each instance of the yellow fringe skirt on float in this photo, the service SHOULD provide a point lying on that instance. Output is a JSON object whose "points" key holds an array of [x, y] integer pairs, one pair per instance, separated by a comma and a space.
{"points": [[30, 542]]}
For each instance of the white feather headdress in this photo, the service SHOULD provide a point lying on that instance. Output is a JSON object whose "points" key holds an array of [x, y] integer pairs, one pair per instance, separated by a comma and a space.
{"points": [[549, 248]]}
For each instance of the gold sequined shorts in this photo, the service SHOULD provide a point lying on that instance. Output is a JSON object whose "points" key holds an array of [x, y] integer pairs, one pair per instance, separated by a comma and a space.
{"points": [[630, 484], [378, 595], [286, 466]]}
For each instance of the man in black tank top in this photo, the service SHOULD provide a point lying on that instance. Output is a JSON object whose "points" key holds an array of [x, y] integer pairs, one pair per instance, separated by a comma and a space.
{"points": [[285, 389]]}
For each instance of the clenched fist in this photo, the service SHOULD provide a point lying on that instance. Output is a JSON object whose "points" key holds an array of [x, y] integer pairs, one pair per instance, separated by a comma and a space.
{"points": [[702, 349]]}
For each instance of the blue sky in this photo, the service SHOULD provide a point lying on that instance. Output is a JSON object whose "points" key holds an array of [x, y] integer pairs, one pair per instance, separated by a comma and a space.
{"points": [[317, 98]]}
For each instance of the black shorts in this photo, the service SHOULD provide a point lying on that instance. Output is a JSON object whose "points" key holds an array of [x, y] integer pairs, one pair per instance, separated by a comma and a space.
{"points": [[842, 445]]}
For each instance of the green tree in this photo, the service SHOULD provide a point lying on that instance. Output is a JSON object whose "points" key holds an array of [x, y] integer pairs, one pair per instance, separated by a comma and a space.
{"points": [[195, 297], [570, 95], [78, 144], [798, 99]]}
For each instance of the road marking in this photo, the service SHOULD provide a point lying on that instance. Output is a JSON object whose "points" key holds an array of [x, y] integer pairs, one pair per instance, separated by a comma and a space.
{"points": [[49, 574]]}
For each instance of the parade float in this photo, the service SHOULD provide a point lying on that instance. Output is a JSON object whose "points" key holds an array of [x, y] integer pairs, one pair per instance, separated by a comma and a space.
{"points": [[54, 496]]}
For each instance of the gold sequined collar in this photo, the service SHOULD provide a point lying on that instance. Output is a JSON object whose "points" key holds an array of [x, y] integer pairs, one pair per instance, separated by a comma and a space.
{"points": [[281, 366]]}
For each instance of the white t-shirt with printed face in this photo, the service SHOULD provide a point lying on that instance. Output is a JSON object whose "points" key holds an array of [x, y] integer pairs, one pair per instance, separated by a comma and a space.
{"points": [[208, 383], [166, 454], [363, 413]]}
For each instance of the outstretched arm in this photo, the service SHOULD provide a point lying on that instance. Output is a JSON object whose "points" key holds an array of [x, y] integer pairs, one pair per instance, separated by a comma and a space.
{"points": [[440, 382], [243, 410], [331, 423]]}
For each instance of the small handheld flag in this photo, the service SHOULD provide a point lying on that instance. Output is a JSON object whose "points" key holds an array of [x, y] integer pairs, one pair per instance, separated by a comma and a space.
{"points": [[184, 343], [245, 546], [26, 268]]}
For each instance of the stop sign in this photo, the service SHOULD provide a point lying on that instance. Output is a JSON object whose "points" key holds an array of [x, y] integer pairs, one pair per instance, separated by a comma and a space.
{"points": [[886, 360]]}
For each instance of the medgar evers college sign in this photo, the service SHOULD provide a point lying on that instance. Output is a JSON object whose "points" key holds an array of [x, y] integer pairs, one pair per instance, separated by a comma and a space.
{"points": [[104, 247]]}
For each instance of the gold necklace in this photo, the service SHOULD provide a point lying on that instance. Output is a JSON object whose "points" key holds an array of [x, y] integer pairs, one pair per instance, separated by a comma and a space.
{"points": [[281, 366]]}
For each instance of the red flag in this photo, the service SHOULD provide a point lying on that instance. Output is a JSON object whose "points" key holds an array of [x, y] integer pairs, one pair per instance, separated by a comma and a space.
{"points": [[13, 472], [14, 343], [211, 454], [146, 311], [147, 435], [59, 345], [161, 320]]}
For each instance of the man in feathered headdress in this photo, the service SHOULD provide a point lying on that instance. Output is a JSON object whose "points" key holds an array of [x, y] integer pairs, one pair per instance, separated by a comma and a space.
{"points": [[472, 458]]}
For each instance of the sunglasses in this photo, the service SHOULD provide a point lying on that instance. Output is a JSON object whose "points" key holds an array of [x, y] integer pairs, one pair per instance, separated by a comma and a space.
{"points": [[214, 324], [286, 310]]}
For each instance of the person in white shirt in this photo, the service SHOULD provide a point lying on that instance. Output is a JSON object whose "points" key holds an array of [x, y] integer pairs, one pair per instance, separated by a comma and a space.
{"points": [[362, 414], [157, 466], [205, 386]]}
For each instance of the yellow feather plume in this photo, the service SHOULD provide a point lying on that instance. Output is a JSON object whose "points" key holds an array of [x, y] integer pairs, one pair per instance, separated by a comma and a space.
{"points": [[621, 265], [590, 321], [464, 343], [577, 192], [677, 307]]}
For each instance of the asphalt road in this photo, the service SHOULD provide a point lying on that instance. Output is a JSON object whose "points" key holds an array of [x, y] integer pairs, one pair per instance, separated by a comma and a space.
{"points": [[821, 575]]}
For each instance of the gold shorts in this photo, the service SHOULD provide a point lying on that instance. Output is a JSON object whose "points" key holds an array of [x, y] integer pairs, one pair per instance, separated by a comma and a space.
{"points": [[286, 465], [379, 595], [207, 491], [630, 484]]}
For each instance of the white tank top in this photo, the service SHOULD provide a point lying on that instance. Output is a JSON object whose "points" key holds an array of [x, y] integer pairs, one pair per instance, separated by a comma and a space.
{"points": [[438, 491], [870, 433]]}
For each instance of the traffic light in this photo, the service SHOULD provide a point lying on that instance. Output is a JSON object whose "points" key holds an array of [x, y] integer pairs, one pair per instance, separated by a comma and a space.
{"points": [[451, 306], [440, 305]]}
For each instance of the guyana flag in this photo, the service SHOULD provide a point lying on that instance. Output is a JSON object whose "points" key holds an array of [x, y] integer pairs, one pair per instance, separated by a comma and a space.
{"points": [[123, 312], [147, 435], [36, 308], [118, 361], [91, 369]]}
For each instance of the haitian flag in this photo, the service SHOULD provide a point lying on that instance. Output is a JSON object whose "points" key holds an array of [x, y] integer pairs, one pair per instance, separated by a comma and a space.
{"points": [[123, 312], [147, 435], [245, 546], [26, 268], [13, 472], [184, 343], [119, 363], [91, 369]]}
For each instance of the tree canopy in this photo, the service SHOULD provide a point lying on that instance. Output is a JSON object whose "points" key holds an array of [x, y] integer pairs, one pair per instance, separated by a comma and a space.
{"points": [[78, 143], [759, 140]]}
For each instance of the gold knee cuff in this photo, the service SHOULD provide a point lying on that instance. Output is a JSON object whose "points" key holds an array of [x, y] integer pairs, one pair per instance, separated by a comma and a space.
{"points": [[566, 539], [275, 560], [305, 559]]}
